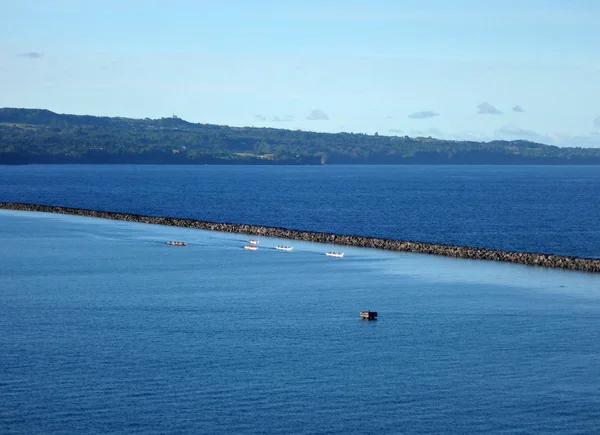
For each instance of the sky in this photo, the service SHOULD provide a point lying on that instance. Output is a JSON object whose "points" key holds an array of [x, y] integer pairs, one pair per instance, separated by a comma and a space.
{"points": [[460, 70]]}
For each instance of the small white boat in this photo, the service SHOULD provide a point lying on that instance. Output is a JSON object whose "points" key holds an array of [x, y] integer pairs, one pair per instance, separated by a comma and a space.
{"points": [[176, 243], [334, 254], [253, 242], [283, 248], [251, 247]]}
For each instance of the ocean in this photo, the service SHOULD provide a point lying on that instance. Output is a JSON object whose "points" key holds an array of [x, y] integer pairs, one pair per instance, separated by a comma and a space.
{"points": [[548, 209], [107, 329]]}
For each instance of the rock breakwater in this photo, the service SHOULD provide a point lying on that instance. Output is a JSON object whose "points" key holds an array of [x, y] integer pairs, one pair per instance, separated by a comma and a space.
{"points": [[527, 258]]}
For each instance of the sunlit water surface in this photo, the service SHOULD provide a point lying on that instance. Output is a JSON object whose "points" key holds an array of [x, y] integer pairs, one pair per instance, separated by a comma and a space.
{"points": [[107, 329]]}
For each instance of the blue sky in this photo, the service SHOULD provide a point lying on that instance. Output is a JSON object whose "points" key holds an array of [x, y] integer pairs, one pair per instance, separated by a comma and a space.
{"points": [[459, 69]]}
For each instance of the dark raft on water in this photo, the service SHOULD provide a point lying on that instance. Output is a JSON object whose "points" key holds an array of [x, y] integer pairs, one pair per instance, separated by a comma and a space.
{"points": [[368, 315], [527, 258]]}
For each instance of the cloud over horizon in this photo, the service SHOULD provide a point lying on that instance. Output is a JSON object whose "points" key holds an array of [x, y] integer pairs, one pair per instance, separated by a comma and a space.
{"points": [[512, 132], [517, 108], [486, 108], [430, 132], [423, 114], [597, 122], [31, 54], [317, 115], [286, 118]]}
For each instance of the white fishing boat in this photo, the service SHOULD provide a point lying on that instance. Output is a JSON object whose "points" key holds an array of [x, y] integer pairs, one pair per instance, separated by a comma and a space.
{"points": [[253, 242], [334, 254], [283, 248], [251, 247]]}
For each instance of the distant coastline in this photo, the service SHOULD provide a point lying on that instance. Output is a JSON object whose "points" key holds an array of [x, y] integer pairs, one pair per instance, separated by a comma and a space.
{"points": [[591, 265], [38, 136]]}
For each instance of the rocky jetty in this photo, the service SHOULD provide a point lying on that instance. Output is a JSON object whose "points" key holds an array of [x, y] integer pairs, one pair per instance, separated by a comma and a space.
{"points": [[531, 259]]}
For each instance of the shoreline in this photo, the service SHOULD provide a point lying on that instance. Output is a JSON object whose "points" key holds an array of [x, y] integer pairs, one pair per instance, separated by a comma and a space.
{"points": [[591, 265]]}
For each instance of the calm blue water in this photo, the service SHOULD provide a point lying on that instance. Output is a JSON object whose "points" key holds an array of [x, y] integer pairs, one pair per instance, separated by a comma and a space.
{"points": [[106, 329], [551, 209]]}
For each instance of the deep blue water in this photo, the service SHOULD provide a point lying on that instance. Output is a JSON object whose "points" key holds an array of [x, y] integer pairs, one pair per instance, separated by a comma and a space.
{"points": [[551, 209], [107, 329]]}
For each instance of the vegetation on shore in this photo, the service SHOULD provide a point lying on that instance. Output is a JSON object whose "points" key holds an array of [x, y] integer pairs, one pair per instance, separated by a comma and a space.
{"points": [[40, 136]]}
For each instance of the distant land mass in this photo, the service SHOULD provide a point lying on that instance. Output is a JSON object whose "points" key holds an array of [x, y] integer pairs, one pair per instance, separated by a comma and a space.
{"points": [[38, 136]]}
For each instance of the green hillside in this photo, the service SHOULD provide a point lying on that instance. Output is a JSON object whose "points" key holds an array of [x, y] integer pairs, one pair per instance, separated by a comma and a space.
{"points": [[41, 136]]}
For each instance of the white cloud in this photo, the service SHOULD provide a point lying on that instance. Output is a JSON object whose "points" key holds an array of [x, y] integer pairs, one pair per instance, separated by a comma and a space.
{"points": [[31, 54], [285, 118], [512, 132], [486, 108], [317, 115], [423, 115]]}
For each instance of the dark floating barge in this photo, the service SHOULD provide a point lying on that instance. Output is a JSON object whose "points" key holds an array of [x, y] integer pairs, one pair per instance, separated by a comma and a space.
{"points": [[368, 315]]}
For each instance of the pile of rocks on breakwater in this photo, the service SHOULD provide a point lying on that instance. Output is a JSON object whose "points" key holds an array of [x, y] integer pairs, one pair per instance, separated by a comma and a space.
{"points": [[532, 259]]}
